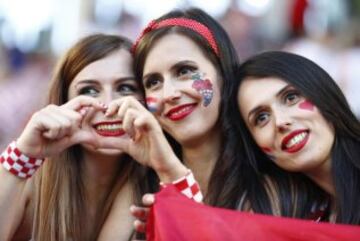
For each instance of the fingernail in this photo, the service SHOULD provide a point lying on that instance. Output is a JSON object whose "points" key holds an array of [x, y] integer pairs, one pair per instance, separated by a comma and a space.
{"points": [[83, 111]]}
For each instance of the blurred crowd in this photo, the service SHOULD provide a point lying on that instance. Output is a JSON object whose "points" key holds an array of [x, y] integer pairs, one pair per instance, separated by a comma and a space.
{"points": [[327, 32]]}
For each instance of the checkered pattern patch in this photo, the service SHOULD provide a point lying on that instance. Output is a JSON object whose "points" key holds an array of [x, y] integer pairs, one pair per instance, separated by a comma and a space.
{"points": [[188, 186], [17, 163]]}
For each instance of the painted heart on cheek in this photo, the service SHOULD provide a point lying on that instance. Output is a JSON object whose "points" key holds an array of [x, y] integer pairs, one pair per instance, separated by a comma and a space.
{"points": [[306, 105]]}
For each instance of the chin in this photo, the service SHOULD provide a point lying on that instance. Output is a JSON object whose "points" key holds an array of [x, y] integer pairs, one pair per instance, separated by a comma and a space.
{"points": [[103, 151], [109, 152]]}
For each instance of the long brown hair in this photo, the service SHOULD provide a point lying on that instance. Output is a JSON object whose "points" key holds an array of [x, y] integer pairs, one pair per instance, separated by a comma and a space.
{"points": [[59, 188]]}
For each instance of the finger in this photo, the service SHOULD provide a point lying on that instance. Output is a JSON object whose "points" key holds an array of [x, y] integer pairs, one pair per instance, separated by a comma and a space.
{"points": [[64, 121], [140, 213], [78, 102], [52, 127], [87, 115], [128, 122], [113, 107], [121, 105], [148, 199], [139, 226]]}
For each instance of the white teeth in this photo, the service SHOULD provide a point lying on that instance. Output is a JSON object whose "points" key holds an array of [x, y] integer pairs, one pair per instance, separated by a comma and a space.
{"points": [[185, 109], [109, 127], [296, 139]]}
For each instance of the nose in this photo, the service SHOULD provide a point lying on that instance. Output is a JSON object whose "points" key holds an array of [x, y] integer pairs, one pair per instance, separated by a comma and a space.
{"points": [[283, 120], [170, 91], [107, 96]]}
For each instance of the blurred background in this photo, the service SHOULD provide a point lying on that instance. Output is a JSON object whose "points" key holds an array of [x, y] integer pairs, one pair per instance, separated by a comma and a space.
{"points": [[35, 33]]}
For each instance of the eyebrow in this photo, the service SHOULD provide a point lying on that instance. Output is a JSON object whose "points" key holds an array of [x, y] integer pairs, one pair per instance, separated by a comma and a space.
{"points": [[279, 93], [92, 81], [173, 67]]}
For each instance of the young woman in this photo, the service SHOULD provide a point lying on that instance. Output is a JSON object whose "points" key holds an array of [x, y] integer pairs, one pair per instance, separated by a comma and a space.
{"points": [[71, 196], [300, 119], [186, 63]]}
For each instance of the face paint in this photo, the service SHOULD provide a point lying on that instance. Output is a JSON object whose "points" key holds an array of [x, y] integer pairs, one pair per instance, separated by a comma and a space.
{"points": [[266, 149], [204, 87], [152, 104], [306, 105]]}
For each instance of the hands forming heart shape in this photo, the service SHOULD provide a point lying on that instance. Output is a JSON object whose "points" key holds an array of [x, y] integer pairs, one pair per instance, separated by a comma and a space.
{"points": [[55, 128]]}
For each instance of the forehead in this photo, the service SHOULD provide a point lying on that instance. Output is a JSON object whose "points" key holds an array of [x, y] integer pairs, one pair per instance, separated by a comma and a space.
{"points": [[171, 49], [255, 91], [115, 65]]}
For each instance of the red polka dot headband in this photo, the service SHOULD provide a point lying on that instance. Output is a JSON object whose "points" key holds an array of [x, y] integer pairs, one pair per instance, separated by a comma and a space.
{"points": [[183, 22]]}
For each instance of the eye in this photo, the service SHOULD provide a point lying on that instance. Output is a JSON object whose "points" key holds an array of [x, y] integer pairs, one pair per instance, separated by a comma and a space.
{"points": [[127, 89], [152, 82], [185, 70], [292, 98], [88, 90], [261, 118]]}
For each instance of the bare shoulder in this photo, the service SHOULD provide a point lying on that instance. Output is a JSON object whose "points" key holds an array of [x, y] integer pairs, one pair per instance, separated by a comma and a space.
{"points": [[119, 223]]}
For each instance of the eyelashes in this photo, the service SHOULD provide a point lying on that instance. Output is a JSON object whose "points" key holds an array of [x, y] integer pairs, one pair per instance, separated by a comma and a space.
{"points": [[181, 72], [88, 90], [122, 89]]}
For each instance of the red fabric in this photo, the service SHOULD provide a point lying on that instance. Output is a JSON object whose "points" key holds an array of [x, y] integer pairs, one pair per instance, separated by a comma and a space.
{"points": [[174, 217]]}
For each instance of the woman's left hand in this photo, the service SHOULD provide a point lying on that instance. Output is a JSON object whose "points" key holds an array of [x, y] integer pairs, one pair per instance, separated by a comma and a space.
{"points": [[141, 213]]}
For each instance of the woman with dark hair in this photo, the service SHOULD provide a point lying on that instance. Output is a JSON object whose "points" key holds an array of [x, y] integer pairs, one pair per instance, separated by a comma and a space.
{"points": [[186, 62], [71, 196], [302, 123]]}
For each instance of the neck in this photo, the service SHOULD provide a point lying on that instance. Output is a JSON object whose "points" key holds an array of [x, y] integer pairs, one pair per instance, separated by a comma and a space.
{"points": [[99, 172], [201, 157], [322, 176]]}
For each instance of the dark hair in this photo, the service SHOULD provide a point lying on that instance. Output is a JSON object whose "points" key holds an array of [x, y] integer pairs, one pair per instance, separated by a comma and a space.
{"points": [[60, 187], [226, 179], [317, 86]]}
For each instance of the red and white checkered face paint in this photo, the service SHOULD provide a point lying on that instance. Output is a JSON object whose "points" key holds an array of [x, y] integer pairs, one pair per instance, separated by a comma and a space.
{"points": [[152, 104]]}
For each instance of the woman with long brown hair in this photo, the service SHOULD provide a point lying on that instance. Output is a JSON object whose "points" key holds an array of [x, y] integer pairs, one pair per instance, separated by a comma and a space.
{"points": [[72, 194]]}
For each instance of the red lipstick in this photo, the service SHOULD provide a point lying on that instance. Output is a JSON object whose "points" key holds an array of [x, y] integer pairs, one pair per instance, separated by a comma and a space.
{"points": [[180, 112], [109, 128], [295, 141]]}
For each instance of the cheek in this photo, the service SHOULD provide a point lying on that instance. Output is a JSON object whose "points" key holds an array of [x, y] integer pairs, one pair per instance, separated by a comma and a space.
{"points": [[204, 87], [153, 104], [306, 105]]}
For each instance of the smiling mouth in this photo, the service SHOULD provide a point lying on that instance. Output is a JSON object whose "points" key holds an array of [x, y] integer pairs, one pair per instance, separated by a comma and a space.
{"points": [[109, 129], [295, 141], [180, 112]]}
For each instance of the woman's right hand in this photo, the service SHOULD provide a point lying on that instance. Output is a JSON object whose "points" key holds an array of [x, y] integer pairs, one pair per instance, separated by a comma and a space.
{"points": [[55, 128]]}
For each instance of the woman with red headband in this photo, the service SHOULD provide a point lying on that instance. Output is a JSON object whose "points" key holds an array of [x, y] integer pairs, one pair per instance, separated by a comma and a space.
{"points": [[186, 63]]}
